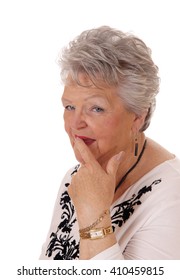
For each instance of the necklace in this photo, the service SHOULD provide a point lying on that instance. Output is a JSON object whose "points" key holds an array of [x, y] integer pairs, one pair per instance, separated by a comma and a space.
{"points": [[132, 167]]}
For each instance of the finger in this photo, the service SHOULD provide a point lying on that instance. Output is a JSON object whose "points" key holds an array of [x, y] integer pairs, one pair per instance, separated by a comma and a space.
{"points": [[114, 162], [84, 151]]}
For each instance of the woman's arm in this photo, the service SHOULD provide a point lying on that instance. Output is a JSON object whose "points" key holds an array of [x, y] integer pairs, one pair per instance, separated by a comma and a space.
{"points": [[92, 192]]}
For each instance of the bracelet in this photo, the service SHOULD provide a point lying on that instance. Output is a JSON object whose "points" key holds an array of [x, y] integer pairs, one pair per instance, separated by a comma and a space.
{"points": [[101, 217], [96, 233]]}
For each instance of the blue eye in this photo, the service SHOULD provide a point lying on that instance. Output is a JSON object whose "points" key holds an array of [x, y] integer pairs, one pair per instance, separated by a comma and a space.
{"points": [[97, 109], [69, 108]]}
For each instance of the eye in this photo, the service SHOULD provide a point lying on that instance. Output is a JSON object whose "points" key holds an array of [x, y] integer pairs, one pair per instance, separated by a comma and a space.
{"points": [[69, 108], [97, 109]]}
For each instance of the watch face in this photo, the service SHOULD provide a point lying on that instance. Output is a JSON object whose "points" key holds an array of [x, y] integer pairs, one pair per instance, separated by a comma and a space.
{"points": [[97, 233]]}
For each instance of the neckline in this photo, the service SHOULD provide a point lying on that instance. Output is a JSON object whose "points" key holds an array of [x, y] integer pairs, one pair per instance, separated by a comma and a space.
{"points": [[159, 166]]}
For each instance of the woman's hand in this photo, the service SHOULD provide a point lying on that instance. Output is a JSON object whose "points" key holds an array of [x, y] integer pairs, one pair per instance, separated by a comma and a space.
{"points": [[92, 188]]}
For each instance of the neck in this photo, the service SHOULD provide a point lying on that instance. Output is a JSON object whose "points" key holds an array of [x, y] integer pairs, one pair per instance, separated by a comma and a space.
{"points": [[130, 162]]}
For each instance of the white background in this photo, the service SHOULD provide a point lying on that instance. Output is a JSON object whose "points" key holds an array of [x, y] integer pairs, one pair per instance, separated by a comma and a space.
{"points": [[34, 150]]}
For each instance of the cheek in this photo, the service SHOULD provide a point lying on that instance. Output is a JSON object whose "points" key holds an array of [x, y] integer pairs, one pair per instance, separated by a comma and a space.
{"points": [[66, 123], [66, 127], [114, 130], [110, 126]]}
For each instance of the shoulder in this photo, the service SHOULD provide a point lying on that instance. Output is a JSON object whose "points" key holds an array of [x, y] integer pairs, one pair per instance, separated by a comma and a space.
{"points": [[158, 162], [174, 165], [159, 186], [166, 175], [168, 171]]}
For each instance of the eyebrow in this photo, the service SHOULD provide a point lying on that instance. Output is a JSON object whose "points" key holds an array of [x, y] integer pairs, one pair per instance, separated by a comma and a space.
{"points": [[87, 98]]}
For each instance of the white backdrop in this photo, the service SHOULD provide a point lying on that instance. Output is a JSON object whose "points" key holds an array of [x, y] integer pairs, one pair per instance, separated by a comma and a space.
{"points": [[34, 150]]}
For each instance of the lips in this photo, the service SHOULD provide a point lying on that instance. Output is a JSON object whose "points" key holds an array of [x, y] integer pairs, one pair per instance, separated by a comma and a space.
{"points": [[88, 141]]}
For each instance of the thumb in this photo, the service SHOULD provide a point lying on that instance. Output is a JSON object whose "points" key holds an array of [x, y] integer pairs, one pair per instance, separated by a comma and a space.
{"points": [[114, 163]]}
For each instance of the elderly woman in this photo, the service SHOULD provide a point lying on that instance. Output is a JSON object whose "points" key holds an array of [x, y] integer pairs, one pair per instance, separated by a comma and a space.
{"points": [[122, 201]]}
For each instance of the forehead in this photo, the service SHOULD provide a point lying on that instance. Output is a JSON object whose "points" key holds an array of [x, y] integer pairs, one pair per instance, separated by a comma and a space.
{"points": [[87, 89]]}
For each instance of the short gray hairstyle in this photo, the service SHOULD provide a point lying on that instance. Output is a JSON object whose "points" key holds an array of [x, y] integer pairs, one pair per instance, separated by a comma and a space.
{"points": [[119, 59]]}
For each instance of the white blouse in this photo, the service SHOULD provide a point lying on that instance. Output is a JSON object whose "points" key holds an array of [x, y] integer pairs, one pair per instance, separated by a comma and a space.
{"points": [[145, 219]]}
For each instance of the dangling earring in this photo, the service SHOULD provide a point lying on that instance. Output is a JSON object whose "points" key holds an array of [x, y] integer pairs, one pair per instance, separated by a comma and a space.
{"points": [[136, 147]]}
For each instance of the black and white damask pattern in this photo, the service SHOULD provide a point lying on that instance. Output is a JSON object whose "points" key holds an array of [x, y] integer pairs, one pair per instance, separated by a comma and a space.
{"points": [[63, 245], [125, 209]]}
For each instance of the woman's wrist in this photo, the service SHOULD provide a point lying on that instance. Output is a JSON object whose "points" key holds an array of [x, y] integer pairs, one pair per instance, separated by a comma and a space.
{"points": [[96, 222], [90, 219], [90, 247]]}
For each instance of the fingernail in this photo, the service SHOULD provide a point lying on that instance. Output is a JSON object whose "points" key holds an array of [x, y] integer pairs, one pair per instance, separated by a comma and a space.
{"points": [[120, 155], [77, 139]]}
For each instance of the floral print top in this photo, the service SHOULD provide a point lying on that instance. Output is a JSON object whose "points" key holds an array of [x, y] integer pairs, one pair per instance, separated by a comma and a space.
{"points": [[144, 219]]}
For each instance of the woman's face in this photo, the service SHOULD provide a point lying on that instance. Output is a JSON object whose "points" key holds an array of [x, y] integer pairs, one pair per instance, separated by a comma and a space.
{"points": [[97, 116]]}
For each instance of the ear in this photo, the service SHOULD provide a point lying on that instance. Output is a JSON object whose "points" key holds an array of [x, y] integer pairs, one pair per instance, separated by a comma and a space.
{"points": [[138, 122]]}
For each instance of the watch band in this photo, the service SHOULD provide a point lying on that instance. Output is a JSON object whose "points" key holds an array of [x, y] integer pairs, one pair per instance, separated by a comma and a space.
{"points": [[96, 233]]}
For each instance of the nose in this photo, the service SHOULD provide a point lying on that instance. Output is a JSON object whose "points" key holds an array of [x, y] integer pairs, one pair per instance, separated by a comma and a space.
{"points": [[78, 120]]}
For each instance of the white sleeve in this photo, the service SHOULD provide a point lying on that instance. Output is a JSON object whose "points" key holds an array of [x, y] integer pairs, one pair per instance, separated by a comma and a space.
{"points": [[56, 216], [112, 253], [158, 237]]}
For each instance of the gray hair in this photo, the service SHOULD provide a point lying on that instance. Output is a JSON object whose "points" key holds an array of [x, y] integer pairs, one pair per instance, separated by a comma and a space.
{"points": [[119, 59]]}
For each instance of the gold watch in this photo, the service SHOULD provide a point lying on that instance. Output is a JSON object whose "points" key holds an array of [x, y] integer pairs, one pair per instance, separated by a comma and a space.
{"points": [[96, 233]]}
